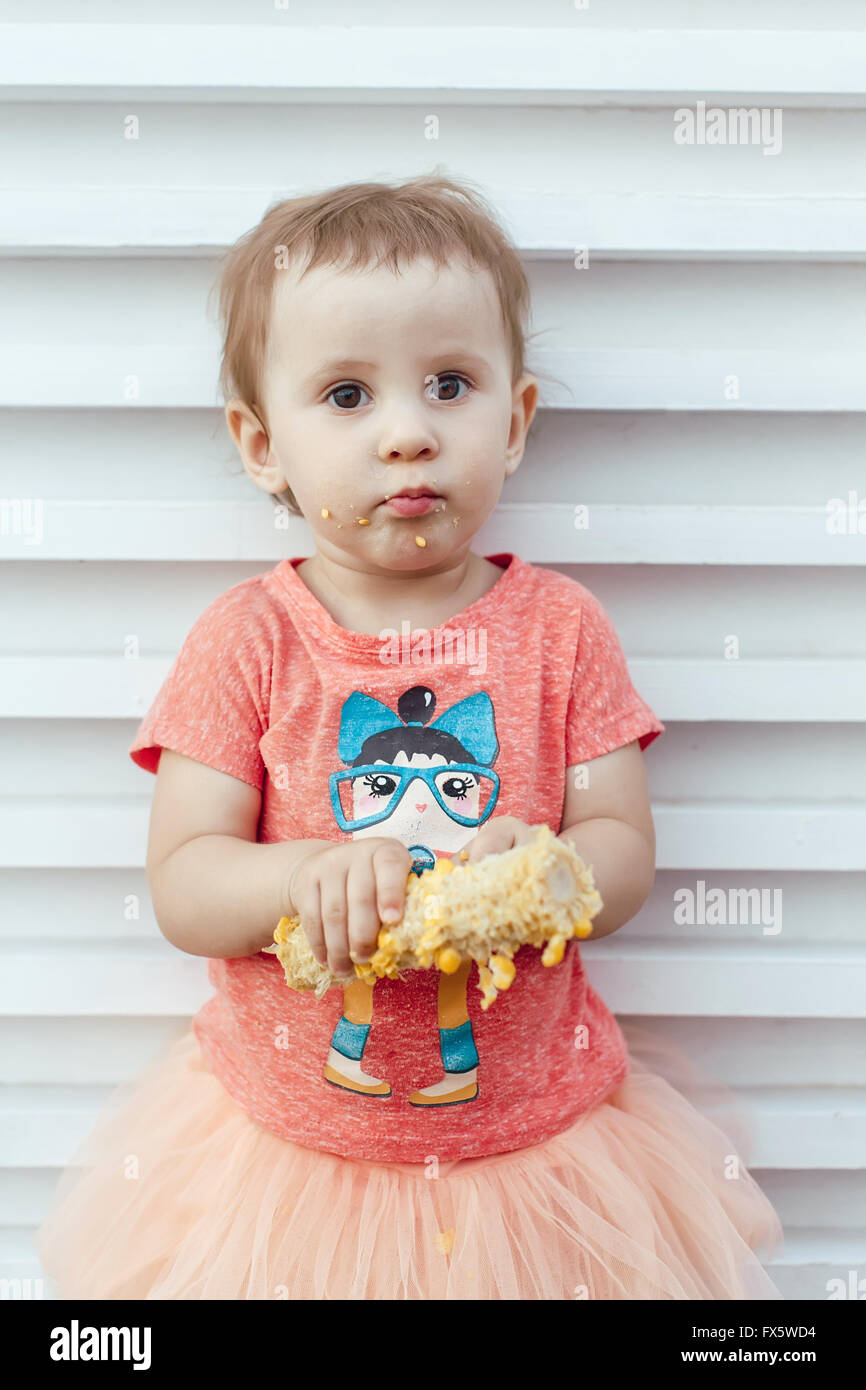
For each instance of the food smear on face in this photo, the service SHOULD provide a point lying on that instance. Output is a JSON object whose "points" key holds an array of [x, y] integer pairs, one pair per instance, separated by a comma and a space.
{"points": [[419, 540]]}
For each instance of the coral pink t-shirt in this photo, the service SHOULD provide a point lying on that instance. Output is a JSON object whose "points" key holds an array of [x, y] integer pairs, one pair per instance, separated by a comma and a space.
{"points": [[348, 734]]}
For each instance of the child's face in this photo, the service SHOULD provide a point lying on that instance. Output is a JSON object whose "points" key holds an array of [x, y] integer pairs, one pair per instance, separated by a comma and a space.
{"points": [[392, 424]]}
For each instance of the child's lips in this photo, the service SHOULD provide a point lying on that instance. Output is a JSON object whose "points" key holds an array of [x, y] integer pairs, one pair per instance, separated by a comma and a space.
{"points": [[412, 506]]}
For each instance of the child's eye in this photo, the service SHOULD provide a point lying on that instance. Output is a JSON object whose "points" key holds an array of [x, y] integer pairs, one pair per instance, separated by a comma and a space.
{"points": [[450, 381], [348, 390]]}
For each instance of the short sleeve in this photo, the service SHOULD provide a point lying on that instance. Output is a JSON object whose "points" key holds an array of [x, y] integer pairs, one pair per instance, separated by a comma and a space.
{"points": [[212, 705], [604, 709]]}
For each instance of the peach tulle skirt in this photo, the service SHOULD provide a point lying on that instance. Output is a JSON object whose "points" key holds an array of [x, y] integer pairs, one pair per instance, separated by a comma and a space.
{"points": [[178, 1194]]}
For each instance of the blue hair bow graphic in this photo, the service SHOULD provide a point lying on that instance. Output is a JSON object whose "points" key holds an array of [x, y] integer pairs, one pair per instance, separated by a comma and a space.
{"points": [[470, 721]]}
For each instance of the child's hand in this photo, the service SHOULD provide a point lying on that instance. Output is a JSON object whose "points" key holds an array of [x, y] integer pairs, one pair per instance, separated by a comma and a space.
{"points": [[500, 832], [343, 893]]}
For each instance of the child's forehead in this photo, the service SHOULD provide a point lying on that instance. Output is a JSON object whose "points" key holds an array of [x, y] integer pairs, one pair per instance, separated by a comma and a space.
{"points": [[457, 301]]}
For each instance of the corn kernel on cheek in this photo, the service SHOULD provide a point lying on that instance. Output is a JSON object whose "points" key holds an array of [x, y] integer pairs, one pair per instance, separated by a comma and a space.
{"points": [[538, 894]]}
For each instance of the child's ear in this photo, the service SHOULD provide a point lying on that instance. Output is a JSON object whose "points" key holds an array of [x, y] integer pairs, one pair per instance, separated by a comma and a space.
{"points": [[524, 398], [254, 446]]}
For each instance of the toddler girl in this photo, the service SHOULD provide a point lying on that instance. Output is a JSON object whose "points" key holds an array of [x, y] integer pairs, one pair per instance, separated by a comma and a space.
{"points": [[331, 726]]}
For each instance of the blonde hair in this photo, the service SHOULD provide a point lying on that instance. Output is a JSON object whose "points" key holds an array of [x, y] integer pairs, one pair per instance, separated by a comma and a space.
{"points": [[356, 226]]}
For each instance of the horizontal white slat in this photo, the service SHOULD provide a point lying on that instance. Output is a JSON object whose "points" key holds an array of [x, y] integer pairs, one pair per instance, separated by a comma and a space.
{"points": [[204, 221], [97, 832], [694, 689], [749, 836], [697, 690], [739, 1053], [818, 1197], [816, 1263], [772, 981], [793, 1127], [582, 379], [352, 64], [166, 983], [692, 535], [775, 981], [83, 687], [41, 1125], [116, 529], [797, 1127], [739, 15]]}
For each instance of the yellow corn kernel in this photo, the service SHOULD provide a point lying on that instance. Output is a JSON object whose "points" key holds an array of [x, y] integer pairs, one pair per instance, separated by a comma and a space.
{"points": [[444, 866], [486, 985], [284, 928], [583, 928], [363, 521], [325, 512], [448, 960], [553, 951], [503, 971], [419, 540]]}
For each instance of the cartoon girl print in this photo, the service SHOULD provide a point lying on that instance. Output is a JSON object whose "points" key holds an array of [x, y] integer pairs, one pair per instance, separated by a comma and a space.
{"points": [[430, 786]]}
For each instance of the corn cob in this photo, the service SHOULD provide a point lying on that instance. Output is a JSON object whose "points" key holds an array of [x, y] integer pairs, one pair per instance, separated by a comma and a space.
{"points": [[538, 894]]}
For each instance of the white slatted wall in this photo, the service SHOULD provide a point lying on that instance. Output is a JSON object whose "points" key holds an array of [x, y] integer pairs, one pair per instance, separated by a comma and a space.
{"points": [[708, 508]]}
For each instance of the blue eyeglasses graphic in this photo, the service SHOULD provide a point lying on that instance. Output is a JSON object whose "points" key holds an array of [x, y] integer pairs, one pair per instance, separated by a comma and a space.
{"points": [[435, 778]]}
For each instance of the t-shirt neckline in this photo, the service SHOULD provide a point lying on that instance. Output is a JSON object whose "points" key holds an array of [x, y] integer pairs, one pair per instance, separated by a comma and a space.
{"points": [[314, 613]]}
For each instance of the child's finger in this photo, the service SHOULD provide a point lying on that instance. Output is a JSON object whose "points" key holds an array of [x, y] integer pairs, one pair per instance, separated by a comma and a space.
{"points": [[391, 863], [363, 913], [308, 907], [334, 919], [485, 842]]}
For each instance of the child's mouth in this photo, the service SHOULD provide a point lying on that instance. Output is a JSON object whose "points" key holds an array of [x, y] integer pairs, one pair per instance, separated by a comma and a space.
{"points": [[412, 506]]}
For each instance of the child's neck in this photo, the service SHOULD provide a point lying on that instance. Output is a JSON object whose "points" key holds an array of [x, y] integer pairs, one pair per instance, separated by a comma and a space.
{"points": [[362, 602]]}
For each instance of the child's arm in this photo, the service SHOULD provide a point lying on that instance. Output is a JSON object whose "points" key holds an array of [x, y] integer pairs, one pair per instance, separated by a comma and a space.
{"points": [[610, 824], [217, 892]]}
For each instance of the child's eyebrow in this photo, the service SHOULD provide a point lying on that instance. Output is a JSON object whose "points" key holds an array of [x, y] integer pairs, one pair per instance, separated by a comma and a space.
{"points": [[336, 368], [344, 366]]}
